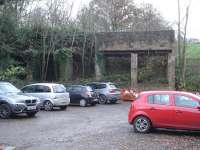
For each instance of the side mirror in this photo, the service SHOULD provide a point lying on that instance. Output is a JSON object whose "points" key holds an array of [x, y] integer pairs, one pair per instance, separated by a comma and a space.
{"points": [[198, 107]]}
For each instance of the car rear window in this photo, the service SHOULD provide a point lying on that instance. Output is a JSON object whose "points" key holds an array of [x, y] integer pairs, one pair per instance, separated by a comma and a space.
{"points": [[112, 86], [59, 89]]}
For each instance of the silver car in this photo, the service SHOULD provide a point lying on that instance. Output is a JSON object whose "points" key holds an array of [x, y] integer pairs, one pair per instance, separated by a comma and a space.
{"points": [[51, 95], [107, 92], [13, 102]]}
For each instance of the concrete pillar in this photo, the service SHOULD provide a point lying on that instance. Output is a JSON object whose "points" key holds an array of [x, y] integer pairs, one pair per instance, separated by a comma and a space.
{"points": [[98, 72], [171, 69], [134, 70]]}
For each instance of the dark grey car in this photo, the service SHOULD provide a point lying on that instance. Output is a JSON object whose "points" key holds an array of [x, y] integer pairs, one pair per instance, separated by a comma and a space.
{"points": [[106, 91], [13, 102]]}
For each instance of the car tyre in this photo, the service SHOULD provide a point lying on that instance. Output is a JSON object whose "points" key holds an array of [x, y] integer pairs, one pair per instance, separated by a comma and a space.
{"points": [[48, 106], [31, 114], [102, 99], [5, 111], [63, 107], [142, 124], [83, 103]]}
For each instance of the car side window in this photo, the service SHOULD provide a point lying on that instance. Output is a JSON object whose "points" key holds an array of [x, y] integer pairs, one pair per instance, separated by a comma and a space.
{"points": [[28, 89], [42, 89], [78, 89], [184, 101], [100, 86], [150, 99], [160, 99]]}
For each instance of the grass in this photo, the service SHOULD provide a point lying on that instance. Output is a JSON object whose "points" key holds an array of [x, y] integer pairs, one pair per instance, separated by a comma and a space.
{"points": [[193, 51]]}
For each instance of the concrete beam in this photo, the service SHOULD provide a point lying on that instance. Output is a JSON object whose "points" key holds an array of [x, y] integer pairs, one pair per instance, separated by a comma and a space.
{"points": [[134, 70]]}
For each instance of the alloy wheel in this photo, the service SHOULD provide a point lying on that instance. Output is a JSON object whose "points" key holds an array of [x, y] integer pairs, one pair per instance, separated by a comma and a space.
{"points": [[102, 99], [5, 111], [83, 103], [48, 106], [142, 124]]}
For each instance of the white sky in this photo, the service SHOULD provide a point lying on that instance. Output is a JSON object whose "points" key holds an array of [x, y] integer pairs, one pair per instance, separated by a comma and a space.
{"points": [[168, 9]]}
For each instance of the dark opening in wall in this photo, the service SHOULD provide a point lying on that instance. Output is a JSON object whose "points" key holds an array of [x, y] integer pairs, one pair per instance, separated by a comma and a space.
{"points": [[117, 65], [152, 68]]}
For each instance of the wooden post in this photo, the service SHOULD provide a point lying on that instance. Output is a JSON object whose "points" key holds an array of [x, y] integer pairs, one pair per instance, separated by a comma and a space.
{"points": [[134, 70]]}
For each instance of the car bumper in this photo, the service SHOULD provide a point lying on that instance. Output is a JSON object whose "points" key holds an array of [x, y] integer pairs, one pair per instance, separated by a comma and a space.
{"points": [[23, 108], [92, 100], [61, 102], [113, 98]]}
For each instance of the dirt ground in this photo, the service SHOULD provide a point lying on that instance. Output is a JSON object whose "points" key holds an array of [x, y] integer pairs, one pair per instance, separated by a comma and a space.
{"points": [[103, 127]]}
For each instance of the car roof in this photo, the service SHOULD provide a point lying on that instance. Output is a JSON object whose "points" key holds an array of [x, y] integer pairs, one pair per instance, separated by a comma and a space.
{"points": [[76, 86], [168, 92], [4, 82], [45, 84], [100, 83]]}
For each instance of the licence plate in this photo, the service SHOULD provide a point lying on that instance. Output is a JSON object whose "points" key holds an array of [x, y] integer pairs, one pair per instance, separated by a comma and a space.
{"points": [[31, 107]]}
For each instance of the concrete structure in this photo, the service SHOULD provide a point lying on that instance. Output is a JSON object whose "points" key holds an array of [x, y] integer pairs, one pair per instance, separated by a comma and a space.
{"points": [[127, 43]]}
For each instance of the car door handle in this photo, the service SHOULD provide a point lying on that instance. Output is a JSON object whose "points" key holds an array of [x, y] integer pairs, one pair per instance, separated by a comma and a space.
{"points": [[152, 108], [179, 112]]}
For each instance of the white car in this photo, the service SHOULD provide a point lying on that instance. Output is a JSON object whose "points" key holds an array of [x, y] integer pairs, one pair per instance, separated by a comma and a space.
{"points": [[51, 95]]}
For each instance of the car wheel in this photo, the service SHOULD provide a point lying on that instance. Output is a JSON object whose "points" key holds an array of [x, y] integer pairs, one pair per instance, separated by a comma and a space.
{"points": [[5, 111], [83, 103], [63, 107], [31, 114], [142, 124], [48, 106], [102, 99]]}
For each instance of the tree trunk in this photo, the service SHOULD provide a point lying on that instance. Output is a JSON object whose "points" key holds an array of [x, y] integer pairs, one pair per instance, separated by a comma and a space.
{"points": [[184, 49]]}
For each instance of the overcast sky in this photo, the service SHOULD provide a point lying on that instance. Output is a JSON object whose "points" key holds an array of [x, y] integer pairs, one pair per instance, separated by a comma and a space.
{"points": [[168, 9]]}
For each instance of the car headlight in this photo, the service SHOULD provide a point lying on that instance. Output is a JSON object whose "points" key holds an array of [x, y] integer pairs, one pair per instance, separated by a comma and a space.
{"points": [[38, 101]]}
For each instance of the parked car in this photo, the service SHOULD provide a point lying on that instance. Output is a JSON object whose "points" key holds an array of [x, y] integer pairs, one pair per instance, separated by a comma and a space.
{"points": [[51, 95], [82, 95], [128, 94], [13, 102], [165, 109], [107, 92]]}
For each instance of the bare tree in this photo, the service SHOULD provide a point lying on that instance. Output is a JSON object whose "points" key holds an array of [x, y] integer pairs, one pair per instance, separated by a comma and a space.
{"points": [[182, 42], [120, 15]]}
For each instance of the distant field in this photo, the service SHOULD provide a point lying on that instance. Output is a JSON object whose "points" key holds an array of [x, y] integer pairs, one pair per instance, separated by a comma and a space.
{"points": [[193, 51]]}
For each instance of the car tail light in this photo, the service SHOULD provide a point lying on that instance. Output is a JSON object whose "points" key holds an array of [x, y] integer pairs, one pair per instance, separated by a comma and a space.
{"points": [[88, 94], [112, 91]]}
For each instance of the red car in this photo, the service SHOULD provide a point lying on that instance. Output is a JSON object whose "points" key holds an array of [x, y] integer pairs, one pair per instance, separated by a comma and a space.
{"points": [[165, 109]]}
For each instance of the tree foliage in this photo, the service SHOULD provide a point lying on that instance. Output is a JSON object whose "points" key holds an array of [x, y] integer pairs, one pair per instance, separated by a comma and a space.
{"points": [[120, 15], [31, 38]]}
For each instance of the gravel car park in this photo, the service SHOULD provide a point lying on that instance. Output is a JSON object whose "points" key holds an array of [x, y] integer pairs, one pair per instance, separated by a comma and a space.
{"points": [[101, 127]]}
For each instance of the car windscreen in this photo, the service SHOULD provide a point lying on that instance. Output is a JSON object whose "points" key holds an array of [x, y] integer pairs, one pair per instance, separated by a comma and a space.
{"points": [[8, 88], [59, 89]]}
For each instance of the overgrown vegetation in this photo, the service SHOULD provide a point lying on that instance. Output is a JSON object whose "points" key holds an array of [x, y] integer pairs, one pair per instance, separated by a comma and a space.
{"points": [[38, 43]]}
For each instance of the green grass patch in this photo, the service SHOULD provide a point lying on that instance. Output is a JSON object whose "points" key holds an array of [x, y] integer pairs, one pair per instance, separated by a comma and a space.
{"points": [[193, 51]]}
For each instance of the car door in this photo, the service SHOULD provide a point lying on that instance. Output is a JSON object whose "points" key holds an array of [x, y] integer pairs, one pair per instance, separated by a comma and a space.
{"points": [[160, 110], [186, 114], [43, 92], [75, 95]]}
